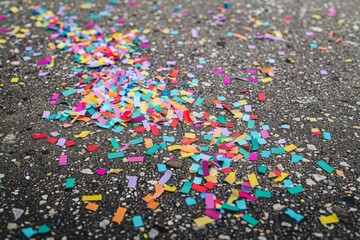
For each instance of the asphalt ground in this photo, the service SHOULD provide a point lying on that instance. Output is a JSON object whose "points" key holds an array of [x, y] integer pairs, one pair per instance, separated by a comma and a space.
{"points": [[33, 181]]}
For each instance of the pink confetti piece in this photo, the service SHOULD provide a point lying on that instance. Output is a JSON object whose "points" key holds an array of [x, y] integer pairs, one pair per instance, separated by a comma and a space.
{"points": [[132, 181], [331, 12], [166, 177], [247, 196], [209, 201], [265, 134], [136, 159], [125, 147], [63, 160], [251, 71], [219, 71]]}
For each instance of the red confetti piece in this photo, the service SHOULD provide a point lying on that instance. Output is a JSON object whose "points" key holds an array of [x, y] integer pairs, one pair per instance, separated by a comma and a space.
{"points": [[92, 148], [261, 96], [70, 143], [37, 136], [52, 140], [198, 187]]}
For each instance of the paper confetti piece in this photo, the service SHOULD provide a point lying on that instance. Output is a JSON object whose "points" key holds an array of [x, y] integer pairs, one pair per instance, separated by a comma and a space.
{"points": [[190, 201], [295, 190], [291, 213], [249, 219], [137, 221], [91, 197], [325, 166], [43, 229], [119, 215], [70, 183], [135, 159], [201, 221], [230, 179], [28, 232], [83, 134], [132, 181], [92, 207], [262, 194], [333, 218], [253, 180]]}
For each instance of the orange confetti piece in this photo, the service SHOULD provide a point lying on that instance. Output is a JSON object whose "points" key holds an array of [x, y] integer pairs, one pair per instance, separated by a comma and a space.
{"points": [[92, 207], [119, 215]]}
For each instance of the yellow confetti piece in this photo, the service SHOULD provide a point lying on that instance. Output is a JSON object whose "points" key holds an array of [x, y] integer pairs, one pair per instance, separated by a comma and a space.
{"points": [[230, 179], [313, 120], [174, 147], [116, 170], [234, 196], [165, 31], [341, 22], [146, 31], [290, 147], [329, 219], [201, 221], [282, 177], [85, 6], [2, 41], [82, 134], [14, 80], [315, 16], [14, 9], [349, 60], [190, 135], [211, 179], [253, 180], [243, 102], [91, 198], [266, 80], [169, 188]]}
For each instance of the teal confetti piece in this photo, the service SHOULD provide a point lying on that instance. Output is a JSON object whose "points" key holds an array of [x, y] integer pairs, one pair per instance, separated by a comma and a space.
{"points": [[262, 194], [68, 92], [278, 150], [28, 232], [137, 141], [137, 221], [229, 207], [222, 120], [161, 167], [115, 155], [70, 183], [251, 124], [114, 143], [43, 229], [296, 158], [190, 201], [153, 149], [262, 169], [241, 204], [199, 101], [249, 219], [186, 187], [291, 213], [168, 139], [325, 166], [295, 190]]}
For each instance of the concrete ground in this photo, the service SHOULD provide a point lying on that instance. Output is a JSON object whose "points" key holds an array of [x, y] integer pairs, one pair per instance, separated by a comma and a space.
{"points": [[31, 180]]}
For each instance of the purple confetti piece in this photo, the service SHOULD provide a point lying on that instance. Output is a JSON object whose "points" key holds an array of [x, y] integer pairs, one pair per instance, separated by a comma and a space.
{"points": [[132, 181], [165, 177], [194, 33], [61, 142]]}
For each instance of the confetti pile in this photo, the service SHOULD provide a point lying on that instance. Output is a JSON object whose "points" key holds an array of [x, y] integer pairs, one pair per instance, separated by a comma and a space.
{"points": [[119, 89]]}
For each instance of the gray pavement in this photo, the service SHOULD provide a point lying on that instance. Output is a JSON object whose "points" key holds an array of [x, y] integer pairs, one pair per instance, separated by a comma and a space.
{"points": [[31, 180]]}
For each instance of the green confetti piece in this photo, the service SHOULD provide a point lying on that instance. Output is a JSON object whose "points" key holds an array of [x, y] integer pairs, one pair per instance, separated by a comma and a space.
{"points": [[222, 120], [249, 219], [262, 194], [230, 207], [68, 92], [115, 155], [295, 190], [70, 183], [325, 166], [186, 187]]}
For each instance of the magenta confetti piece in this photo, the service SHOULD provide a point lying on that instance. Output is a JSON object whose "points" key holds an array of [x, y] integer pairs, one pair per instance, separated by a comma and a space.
{"points": [[219, 71], [101, 171], [209, 201], [212, 213], [227, 80], [253, 157]]}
